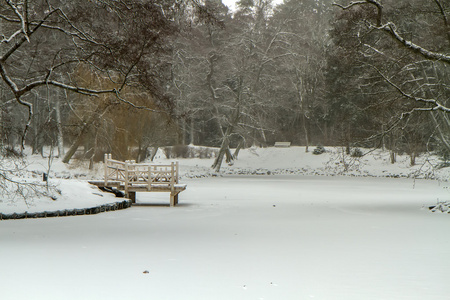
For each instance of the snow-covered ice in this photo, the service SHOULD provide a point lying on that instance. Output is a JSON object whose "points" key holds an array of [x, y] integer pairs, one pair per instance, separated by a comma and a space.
{"points": [[241, 237], [283, 237]]}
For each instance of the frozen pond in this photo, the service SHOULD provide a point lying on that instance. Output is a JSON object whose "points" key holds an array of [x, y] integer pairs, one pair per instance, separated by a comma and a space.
{"points": [[270, 237]]}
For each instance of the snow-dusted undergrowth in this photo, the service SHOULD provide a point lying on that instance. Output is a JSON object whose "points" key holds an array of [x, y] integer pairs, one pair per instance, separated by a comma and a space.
{"points": [[334, 162]]}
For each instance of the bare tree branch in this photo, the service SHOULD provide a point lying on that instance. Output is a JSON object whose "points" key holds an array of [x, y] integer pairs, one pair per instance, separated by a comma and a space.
{"points": [[350, 5], [25, 38], [391, 29], [22, 19], [444, 17], [435, 105]]}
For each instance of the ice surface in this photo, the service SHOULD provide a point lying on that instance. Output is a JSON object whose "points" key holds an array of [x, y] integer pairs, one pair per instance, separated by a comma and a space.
{"points": [[280, 237], [239, 237]]}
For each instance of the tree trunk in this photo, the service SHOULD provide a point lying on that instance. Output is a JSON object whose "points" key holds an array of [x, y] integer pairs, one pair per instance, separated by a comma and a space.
{"points": [[392, 156], [182, 140], [325, 134], [412, 158], [37, 140], [94, 150], [228, 156], [60, 137], [218, 161], [192, 136], [77, 143], [224, 150], [154, 151], [238, 148], [305, 129]]}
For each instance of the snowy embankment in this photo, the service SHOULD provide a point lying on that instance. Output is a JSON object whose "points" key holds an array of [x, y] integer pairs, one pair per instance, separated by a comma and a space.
{"points": [[76, 193], [296, 161], [74, 198], [273, 161]]}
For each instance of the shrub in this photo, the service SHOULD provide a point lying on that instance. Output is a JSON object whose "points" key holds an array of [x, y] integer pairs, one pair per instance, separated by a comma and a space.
{"points": [[444, 154], [185, 151], [9, 151], [319, 150], [178, 151], [357, 153]]}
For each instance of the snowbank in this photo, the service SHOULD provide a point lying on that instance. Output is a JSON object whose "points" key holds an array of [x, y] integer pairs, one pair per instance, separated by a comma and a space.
{"points": [[296, 161]]}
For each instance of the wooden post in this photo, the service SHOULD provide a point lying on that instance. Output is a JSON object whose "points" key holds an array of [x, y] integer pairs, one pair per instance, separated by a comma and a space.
{"points": [[106, 168], [149, 178], [173, 199], [132, 196], [172, 177], [126, 180], [177, 171]]}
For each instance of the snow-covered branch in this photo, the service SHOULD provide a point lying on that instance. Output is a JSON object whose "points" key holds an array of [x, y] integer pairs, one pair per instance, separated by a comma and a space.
{"points": [[434, 105], [350, 5], [24, 38], [391, 29], [22, 18]]}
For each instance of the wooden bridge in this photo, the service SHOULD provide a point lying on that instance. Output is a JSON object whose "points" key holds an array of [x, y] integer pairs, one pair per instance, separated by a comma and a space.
{"points": [[133, 177]]}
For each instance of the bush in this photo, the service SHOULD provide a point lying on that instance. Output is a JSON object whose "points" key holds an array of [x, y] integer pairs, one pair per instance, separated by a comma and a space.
{"points": [[178, 151], [444, 154], [185, 151], [319, 150], [357, 153], [9, 151]]}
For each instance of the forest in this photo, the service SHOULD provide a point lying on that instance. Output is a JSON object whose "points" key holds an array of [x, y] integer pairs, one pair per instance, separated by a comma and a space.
{"points": [[89, 77]]}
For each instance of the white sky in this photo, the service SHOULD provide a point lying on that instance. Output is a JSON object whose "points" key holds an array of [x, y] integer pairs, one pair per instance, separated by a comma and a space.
{"points": [[231, 3]]}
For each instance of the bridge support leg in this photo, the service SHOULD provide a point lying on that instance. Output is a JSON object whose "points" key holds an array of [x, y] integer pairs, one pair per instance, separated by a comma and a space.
{"points": [[173, 199], [132, 196]]}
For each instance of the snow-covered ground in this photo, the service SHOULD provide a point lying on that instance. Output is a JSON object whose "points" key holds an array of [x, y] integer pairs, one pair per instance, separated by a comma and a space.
{"points": [[242, 236]]}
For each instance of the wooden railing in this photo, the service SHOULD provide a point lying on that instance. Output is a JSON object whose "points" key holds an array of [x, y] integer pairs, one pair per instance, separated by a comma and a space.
{"points": [[132, 174], [132, 177]]}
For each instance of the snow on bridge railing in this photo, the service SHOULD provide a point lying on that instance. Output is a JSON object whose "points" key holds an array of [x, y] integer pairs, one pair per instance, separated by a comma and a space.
{"points": [[130, 173]]}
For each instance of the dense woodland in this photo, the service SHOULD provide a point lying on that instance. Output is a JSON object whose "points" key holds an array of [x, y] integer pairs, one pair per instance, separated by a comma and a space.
{"points": [[124, 76]]}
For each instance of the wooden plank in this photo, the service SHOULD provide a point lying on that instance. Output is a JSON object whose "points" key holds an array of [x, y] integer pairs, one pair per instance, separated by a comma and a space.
{"points": [[156, 188], [102, 183]]}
